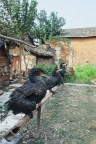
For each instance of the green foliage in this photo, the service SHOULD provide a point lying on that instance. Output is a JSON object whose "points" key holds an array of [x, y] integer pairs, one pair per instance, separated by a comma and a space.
{"points": [[69, 78], [84, 74], [17, 17], [48, 27], [46, 68]]}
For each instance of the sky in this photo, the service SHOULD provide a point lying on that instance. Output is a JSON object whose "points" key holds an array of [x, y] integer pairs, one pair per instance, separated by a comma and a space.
{"points": [[77, 13]]}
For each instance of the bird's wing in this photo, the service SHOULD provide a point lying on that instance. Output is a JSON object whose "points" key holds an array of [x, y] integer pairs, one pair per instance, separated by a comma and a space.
{"points": [[24, 90], [21, 104], [50, 82]]}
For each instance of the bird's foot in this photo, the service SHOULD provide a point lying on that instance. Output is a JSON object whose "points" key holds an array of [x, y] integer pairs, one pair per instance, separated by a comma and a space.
{"points": [[52, 91], [30, 115], [39, 105]]}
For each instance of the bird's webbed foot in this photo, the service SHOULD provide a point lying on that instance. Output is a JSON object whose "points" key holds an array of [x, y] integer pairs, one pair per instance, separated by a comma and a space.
{"points": [[30, 114]]}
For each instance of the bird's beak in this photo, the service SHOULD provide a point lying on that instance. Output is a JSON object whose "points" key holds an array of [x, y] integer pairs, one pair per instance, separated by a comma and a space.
{"points": [[59, 70], [44, 75], [65, 64]]}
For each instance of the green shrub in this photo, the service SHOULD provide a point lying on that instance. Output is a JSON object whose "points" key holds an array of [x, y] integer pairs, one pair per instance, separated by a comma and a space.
{"points": [[46, 68], [69, 78], [85, 74]]}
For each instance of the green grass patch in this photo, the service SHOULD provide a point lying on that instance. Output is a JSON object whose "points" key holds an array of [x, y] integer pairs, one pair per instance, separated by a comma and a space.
{"points": [[85, 74]]}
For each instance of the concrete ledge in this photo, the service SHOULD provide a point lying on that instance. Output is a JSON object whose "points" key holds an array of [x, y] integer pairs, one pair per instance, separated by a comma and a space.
{"points": [[16, 140], [75, 84]]}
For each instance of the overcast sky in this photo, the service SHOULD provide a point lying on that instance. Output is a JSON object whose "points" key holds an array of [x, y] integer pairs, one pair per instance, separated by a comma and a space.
{"points": [[77, 13]]}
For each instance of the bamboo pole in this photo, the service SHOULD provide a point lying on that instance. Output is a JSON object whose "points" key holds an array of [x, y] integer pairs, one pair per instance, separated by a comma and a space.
{"points": [[9, 136]]}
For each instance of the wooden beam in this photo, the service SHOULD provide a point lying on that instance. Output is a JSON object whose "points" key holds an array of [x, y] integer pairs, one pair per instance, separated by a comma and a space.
{"points": [[16, 40], [9, 136]]}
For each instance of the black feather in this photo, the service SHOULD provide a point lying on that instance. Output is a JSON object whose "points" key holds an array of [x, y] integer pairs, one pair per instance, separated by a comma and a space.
{"points": [[63, 67], [24, 98], [54, 80]]}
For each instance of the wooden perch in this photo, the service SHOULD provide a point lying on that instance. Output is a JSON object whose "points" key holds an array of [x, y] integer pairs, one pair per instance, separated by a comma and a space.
{"points": [[9, 136]]}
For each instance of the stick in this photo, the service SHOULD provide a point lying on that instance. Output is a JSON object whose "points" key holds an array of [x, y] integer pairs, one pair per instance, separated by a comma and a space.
{"points": [[9, 136], [38, 122]]}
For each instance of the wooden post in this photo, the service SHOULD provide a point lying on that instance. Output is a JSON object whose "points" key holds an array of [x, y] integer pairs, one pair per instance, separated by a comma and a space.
{"points": [[70, 54], [38, 122], [20, 64]]}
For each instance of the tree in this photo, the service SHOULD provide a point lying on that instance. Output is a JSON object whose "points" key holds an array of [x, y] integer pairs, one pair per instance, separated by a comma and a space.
{"points": [[17, 17], [47, 27]]}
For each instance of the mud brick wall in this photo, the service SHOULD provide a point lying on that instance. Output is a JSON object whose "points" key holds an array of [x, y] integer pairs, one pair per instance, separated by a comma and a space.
{"points": [[4, 70], [83, 51]]}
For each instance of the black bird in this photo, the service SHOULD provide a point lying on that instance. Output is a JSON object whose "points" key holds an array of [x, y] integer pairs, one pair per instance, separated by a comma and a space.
{"points": [[54, 80], [24, 98], [63, 66]]}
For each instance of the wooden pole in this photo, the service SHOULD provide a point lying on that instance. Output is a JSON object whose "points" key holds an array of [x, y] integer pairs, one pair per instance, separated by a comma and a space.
{"points": [[9, 136], [38, 122], [16, 40], [20, 64]]}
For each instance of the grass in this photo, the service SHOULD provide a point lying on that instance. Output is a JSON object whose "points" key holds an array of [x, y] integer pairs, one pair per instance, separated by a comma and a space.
{"points": [[69, 117], [83, 74]]}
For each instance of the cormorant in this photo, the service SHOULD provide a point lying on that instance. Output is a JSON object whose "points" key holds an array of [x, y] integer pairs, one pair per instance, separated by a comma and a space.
{"points": [[54, 80], [24, 98], [63, 66]]}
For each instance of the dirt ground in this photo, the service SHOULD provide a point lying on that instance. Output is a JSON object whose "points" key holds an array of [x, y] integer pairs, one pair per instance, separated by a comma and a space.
{"points": [[69, 117]]}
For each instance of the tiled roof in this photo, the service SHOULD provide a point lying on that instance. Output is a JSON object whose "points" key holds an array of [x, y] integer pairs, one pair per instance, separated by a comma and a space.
{"points": [[39, 51], [79, 32]]}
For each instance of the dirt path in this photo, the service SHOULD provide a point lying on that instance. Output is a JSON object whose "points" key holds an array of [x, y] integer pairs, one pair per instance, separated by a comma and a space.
{"points": [[69, 117]]}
